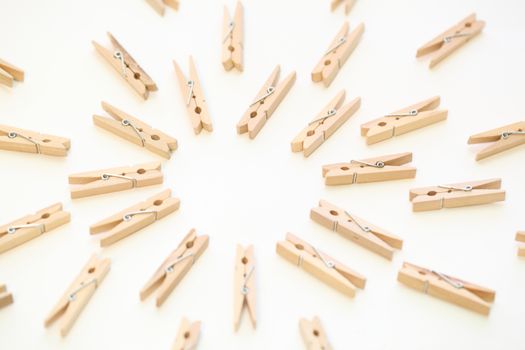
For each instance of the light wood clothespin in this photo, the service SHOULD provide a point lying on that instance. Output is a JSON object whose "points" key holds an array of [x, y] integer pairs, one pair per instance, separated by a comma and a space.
{"points": [[348, 5], [333, 116], [233, 39], [175, 267], [102, 181], [20, 140], [6, 298], [135, 131], [9, 73], [127, 67], [313, 334], [134, 218], [450, 40], [244, 286], [503, 138], [160, 5], [381, 168], [339, 51], [188, 335], [320, 265], [194, 98], [31, 226], [445, 287], [457, 195], [78, 294], [265, 103], [356, 229], [520, 237], [404, 120]]}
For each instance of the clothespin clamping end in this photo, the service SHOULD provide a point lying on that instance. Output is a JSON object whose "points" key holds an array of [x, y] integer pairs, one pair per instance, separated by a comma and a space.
{"points": [[503, 138], [520, 237], [6, 298], [348, 5], [10, 73], [450, 40], [78, 294], [188, 335], [20, 140], [160, 5], [244, 286], [313, 334], [333, 116], [233, 39]]}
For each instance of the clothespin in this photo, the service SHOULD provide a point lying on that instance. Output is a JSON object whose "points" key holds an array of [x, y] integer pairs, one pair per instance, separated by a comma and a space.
{"points": [[78, 294], [102, 181], [233, 39], [127, 67], [348, 5], [160, 5], [265, 103], [457, 195], [447, 42], [31, 226], [520, 237], [188, 335], [448, 288], [338, 52], [333, 115], [244, 286], [320, 265], [382, 168], [194, 98], [313, 334], [504, 138], [356, 229], [20, 140], [6, 298], [134, 218], [135, 131], [8, 73], [175, 267], [405, 120]]}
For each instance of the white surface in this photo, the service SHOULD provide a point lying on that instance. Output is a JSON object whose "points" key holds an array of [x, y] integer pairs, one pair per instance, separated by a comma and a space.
{"points": [[253, 191]]}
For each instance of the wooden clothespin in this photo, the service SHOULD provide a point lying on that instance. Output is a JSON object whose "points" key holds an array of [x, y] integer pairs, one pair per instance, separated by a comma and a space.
{"points": [[78, 294], [244, 286], [127, 67], [31, 226], [338, 52], [348, 5], [405, 120], [135, 131], [194, 98], [20, 140], [504, 138], [447, 42], [520, 237], [313, 334], [175, 267], [333, 115], [9, 73], [457, 195], [265, 103], [356, 229], [382, 168], [320, 265], [451, 289], [233, 39], [134, 218], [188, 335], [102, 181], [6, 298], [160, 5]]}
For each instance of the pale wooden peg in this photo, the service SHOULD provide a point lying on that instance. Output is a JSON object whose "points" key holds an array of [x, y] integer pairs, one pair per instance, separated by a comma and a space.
{"points": [[233, 39], [520, 237], [357, 230], [78, 294], [102, 181], [320, 265], [404, 120], [265, 103], [338, 52], [127, 67], [381, 168], [191, 91], [326, 123], [188, 335], [348, 4], [244, 286], [9, 73], [6, 298], [502, 139], [20, 140], [160, 5], [134, 218], [457, 195], [313, 334], [448, 288], [31, 226], [135, 131], [450, 40], [175, 267]]}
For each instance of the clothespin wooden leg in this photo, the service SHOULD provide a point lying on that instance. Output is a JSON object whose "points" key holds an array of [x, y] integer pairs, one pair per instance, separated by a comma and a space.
{"points": [[6, 298]]}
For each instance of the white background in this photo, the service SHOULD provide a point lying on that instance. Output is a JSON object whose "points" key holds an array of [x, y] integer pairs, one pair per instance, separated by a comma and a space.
{"points": [[253, 191]]}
